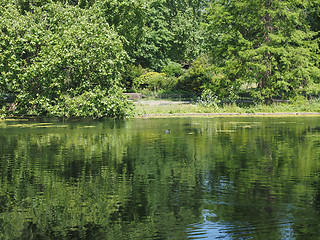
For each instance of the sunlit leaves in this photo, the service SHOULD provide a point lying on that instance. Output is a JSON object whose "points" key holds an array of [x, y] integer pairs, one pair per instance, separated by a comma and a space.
{"points": [[265, 42], [54, 51]]}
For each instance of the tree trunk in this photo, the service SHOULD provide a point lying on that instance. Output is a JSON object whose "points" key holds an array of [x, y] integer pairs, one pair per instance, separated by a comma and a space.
{"points": [[267, 19]]}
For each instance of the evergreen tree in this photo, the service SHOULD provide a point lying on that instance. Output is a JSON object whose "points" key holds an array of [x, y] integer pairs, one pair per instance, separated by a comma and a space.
{"points": [[267, 43]]}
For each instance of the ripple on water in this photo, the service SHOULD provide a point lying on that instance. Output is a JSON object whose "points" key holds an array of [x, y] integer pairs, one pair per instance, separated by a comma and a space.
{"points": [[213, 228]]}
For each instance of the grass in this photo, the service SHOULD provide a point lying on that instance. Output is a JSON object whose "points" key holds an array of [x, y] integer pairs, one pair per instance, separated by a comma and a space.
{"points": [[170, 107], [142, 109]]}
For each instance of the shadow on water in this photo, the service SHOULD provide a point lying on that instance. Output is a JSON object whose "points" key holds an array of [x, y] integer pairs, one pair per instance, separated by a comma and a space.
{"points": [[206, 178]]}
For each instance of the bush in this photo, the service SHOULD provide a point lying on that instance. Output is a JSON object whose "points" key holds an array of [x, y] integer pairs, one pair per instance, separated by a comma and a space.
{"points": [[96, 103], [208, 99], [132, 72], [205, 76], [155, 81], [198, 77], [173, 69]]}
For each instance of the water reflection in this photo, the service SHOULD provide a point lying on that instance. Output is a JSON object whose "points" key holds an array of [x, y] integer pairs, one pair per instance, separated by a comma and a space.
{"points": [[229, 178]]}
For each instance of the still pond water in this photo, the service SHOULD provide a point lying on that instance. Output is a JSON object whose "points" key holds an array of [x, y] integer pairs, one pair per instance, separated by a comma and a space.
{"points": [[206, 178]]}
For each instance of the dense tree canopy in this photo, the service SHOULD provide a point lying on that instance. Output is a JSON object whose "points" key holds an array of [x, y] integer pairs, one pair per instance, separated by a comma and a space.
{"points": [[56, 49], [267, 42]]}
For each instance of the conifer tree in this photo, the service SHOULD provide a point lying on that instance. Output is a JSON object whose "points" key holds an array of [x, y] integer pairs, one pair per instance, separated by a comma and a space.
{"points": [[267, 43]]}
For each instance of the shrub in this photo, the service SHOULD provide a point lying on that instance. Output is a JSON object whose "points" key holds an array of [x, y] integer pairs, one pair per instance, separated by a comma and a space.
{"points": [[96, 103], [197, 78], [128, 79], [208, 99], [173, 69], [155, 81], [205, 76]]}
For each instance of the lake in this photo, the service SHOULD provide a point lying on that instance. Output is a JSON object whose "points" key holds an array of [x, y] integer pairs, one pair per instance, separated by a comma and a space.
{"points": [[170, 178]]}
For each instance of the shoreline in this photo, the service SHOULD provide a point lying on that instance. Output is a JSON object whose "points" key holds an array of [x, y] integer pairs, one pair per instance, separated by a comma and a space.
{"points": [[167, 108], [276, 114], [174, 115]]}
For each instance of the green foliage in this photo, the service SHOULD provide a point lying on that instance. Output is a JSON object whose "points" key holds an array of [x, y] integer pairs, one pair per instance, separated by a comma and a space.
{"points": [[153, 51], [58, 51], [131, 73], [203, 75], [153, 32], [312, 90], [198, 76], [169, 31], [25, 6], [51, 49], [173, 69], [127, 18], [95, 104], [155, 81], [208, 99], [264, 42], [188, 34]]}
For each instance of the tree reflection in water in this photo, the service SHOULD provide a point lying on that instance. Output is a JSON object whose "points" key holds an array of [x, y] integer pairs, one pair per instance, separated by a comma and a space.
{"points": [[210, 177]]}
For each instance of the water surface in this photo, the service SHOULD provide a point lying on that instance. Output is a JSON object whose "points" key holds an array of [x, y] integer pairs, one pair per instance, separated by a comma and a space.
{"points": [[206, 178]]}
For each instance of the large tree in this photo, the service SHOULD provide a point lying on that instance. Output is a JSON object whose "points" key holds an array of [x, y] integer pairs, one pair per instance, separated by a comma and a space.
{"points": [[267, 43], [59, 53], [158, 31]]}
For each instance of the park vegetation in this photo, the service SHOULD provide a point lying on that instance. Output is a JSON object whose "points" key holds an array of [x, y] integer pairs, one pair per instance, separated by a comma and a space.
{"points": [[75, 58]]}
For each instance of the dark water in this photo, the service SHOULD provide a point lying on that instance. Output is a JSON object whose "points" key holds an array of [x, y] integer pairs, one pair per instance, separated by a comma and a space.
{"points": [[208, 178]]}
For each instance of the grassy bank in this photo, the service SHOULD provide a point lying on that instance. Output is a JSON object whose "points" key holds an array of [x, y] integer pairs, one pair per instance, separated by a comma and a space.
{"points": [[171, 107]]}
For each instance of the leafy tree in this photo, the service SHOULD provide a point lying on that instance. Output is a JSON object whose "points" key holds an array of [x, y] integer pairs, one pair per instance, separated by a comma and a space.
{"points": [[313, 10], [128, 20], [185, 22], [54, 51], [29, 5], [201, 76], [265, 42], [173, 69], [153, 52], [155, 32], [173, 33]]}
